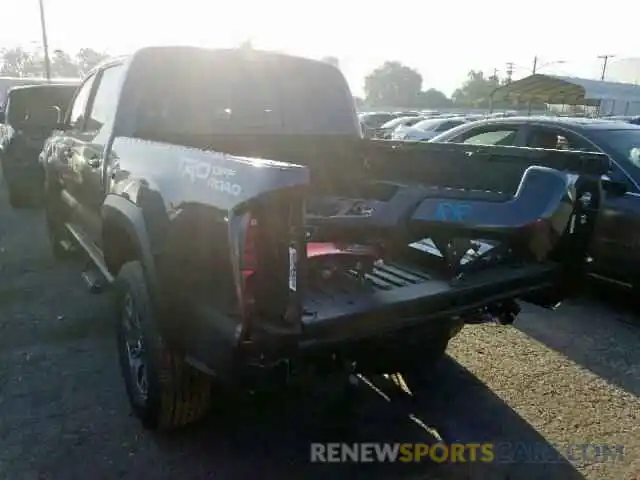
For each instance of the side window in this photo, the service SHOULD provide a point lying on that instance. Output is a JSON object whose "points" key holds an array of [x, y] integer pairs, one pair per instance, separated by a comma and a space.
{"points": [[76, 114], [444, 126], [560, 140], [104, 102], [492, 137]]}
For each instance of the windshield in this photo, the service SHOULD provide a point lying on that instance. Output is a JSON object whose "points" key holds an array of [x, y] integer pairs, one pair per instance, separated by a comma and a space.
{"points": [[401, 121], [430, 124], [376, 120], [624, 143]]}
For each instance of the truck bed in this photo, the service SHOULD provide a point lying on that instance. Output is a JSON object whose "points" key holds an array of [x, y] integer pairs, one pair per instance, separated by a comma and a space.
{"points": [[351, 308]]}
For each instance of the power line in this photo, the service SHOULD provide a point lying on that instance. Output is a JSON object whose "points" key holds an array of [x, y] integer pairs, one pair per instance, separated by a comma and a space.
{"points": [[605, 59]]}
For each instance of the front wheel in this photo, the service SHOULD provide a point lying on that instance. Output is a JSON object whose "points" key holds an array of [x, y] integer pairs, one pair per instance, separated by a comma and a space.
{"points": [[164, 391]]}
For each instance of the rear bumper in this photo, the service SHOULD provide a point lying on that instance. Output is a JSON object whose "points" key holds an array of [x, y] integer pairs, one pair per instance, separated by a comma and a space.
{"points": [[371, 315], [374, 329]]}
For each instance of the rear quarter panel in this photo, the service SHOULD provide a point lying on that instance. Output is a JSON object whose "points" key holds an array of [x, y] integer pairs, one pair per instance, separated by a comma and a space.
{"points": [[188, 199]]}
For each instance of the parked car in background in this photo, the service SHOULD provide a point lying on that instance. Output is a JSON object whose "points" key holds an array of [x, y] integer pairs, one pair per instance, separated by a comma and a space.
{"points": [[616, 247], [427, 129], [32, 113], [633, 119], [371, 121], [396, 125], [408, 113]]}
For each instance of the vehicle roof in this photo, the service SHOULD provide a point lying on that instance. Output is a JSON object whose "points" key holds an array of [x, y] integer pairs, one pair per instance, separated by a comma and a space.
{"points": [[439, 120], [572, 122], [177, 49], [364, 114], [44, 86]]}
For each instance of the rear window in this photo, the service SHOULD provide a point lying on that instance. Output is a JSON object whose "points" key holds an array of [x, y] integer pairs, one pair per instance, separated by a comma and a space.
{"points": [[230, 92], [22, 103], [408, 121], [429, 125], [376, 120]]}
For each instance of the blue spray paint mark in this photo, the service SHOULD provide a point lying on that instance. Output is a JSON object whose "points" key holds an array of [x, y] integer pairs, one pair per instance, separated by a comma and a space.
{"points": [[452, 212]]}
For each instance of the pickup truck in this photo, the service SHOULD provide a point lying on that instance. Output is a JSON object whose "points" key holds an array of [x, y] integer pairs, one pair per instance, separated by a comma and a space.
{"points": [[250, 235], [31, 113]]}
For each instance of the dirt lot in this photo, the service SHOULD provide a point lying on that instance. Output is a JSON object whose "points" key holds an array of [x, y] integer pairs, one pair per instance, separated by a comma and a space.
{"points": [[571, 376]]}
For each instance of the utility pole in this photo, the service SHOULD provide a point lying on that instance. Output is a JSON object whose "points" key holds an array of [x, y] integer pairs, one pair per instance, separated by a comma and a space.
{"points": [[510, 66], [605, 59], [45, 43], [535, 65]]}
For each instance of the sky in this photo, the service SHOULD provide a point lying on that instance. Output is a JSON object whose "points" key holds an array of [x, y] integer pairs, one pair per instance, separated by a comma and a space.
{"points": [[442, 40]]}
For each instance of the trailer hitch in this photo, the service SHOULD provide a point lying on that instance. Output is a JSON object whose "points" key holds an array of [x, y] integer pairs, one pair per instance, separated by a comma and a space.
{"points": [[502, 313]]}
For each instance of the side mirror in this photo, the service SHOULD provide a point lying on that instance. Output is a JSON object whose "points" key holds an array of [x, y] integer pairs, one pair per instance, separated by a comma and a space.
{"points": [[614, 187]]}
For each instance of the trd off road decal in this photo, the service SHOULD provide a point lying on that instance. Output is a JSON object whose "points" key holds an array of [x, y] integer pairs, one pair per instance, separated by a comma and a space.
{"points": [[216, 177]]}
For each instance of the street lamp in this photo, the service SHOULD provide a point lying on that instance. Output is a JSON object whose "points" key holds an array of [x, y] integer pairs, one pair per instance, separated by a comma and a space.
{"points": [[45, 43]]}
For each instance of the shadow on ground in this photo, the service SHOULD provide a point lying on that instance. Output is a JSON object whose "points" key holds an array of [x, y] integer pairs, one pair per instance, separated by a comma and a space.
{"points": [[604, 341], [270, 440]]}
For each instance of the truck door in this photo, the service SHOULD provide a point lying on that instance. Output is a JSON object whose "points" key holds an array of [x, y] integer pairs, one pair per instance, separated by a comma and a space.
{"points": [[64, 160], [91, 146], [615, 246]]}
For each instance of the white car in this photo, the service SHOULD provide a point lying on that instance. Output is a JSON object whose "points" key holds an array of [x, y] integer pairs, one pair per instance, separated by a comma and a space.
{"points": [[427, 129]]}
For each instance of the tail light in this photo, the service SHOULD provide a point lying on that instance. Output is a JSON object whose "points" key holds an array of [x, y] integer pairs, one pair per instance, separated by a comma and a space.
{"points": [[249, 265]]}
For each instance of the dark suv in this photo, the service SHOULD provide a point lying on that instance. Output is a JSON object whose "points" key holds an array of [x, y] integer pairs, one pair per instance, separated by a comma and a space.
{"points": [[31, 114]]}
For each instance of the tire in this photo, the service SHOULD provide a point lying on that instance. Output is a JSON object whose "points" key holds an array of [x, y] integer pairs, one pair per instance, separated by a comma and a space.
{"points": [[163, 390]]}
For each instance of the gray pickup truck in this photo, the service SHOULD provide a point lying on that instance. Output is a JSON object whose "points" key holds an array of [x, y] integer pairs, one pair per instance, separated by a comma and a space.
{"points": [[252, 236]]}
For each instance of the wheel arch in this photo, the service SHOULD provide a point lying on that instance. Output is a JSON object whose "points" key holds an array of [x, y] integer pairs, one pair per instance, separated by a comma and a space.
{"points": [[125, 238]]}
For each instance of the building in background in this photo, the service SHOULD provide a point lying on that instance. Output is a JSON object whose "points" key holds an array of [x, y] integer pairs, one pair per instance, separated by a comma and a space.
{"points": [[625, 70]]}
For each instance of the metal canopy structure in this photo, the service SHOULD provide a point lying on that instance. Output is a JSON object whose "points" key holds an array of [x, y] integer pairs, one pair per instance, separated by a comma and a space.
{"points": [[567, 90]]}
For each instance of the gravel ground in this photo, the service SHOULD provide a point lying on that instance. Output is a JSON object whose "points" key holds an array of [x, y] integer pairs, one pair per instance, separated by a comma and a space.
{"points": [[571, 376]]}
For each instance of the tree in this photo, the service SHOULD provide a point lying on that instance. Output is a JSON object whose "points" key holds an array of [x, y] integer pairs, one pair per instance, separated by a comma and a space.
{"points": [[87, 58], [17, 62], [62, 65], [433, 98], [393, 84], [476, 90], [246, 45]]}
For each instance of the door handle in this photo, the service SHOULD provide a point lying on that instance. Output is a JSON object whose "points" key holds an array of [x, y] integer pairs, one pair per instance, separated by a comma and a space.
{"points": [[66, 154]]}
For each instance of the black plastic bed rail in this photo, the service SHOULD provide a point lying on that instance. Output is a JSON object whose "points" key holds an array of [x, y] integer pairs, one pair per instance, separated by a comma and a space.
{"points": [[588, 163]]}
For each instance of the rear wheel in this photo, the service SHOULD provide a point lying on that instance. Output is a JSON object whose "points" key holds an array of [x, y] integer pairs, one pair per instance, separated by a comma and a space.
{"points": [[164, 391]]}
